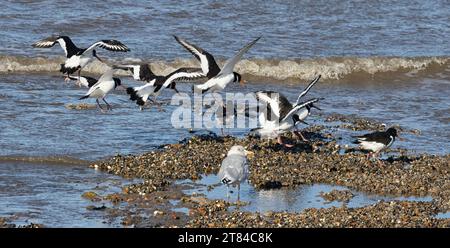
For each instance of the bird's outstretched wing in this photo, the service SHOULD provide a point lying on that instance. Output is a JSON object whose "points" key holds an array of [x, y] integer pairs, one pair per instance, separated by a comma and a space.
{"points": [[230, 63], [310, 85], [140, 72], [64, 41], [278, 105], [297, 107], [84, 80], [185, 73], [111, 45], [207, 61]]}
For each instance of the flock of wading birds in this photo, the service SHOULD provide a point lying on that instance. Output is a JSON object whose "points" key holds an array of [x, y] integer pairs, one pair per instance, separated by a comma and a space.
{"points": [[281, 115]]}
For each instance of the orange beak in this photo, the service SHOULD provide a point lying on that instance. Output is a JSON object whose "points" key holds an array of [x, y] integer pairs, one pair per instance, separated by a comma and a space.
{"points": [[242, 82]]}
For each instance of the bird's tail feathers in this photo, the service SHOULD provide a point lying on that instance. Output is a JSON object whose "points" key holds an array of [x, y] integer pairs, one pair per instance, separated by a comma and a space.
{"points": [[134, 96], [225, 180], [68, 70]]}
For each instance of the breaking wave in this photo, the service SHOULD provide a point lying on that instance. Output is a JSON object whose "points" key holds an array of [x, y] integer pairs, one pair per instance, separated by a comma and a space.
{"points": [[332, 68]]}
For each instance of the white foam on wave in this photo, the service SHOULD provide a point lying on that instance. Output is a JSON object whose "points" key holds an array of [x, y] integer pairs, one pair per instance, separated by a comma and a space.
{"points": [[330, 68]]}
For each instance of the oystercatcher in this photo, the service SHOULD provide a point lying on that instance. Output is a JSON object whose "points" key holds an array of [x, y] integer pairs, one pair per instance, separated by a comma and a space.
{"points": [[218, 78], [282, 116], [377, 141], [156, 83], [78, 58]]}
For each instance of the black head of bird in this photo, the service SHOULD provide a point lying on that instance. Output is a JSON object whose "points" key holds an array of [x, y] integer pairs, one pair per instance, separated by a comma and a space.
{"points": [[117, 83], [297, 120], [312, 106], [173, 86], [392, 132], [94, 53], [238, 78]]}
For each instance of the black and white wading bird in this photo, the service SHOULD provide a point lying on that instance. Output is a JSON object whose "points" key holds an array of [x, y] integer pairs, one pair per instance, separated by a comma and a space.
{"points": [[377, 141], [78, 58], [218, 78], [105, 84], [234, 168], [156, 83], [282, 116]]}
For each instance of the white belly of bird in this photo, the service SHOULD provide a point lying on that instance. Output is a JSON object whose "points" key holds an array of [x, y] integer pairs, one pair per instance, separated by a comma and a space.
{"points": [[103, 89], [285, 127], [222, 82], [84, 60], [76, 60], [217, 84], [146, 90], [372, 146], [272, 130], [72, 62], [302, 114]]}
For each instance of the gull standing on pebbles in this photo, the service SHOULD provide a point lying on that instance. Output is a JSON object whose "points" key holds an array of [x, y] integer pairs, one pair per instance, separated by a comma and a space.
{"points": [[234, 168]]}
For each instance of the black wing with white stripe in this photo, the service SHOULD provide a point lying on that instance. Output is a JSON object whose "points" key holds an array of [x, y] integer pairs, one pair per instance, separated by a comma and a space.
{"points": [[64, 41], [297, 107], [277, 104], [310, 85], [111, 45], [228, 67], [207, 61], [183, 74], [141, 72], [85, 81]]}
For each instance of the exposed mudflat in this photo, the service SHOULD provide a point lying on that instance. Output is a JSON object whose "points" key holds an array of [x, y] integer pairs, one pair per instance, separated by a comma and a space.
{"points": [[320, 161]]}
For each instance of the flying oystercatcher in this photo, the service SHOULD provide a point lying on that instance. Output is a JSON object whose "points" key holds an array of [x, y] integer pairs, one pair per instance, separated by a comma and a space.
{"points": [[78, 58], [156, 83], [218, 78]]}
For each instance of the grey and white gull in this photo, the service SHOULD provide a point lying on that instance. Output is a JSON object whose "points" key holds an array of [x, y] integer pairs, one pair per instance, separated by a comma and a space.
{"points": [[234, 168]]}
